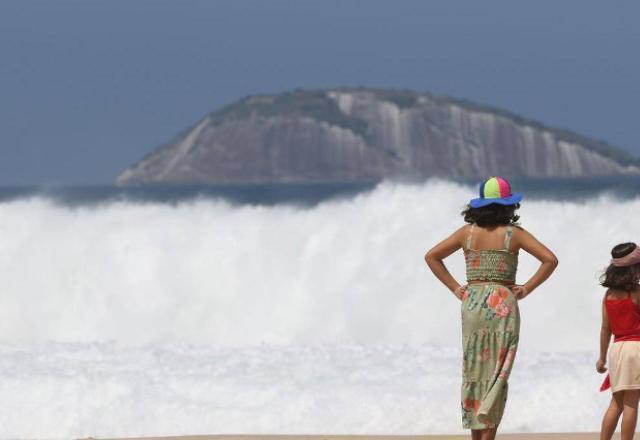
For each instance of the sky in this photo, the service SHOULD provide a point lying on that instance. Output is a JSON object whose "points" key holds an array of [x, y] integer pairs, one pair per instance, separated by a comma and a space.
{"points": [[88, 87]]}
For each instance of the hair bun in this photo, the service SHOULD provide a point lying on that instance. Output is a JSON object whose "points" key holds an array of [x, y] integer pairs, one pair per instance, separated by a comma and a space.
{"points": [[623, 249]]}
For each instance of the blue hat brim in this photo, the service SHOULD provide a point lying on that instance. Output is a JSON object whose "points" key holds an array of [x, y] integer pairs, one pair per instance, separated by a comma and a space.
{"points": [[511, 200]]}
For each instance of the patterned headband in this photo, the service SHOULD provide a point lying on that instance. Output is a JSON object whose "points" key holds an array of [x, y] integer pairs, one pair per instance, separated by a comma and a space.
{"points": [[628, 260]]}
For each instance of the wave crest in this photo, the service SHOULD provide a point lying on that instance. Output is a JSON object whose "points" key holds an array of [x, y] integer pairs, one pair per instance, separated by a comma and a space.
{"points": [[344, 271]]}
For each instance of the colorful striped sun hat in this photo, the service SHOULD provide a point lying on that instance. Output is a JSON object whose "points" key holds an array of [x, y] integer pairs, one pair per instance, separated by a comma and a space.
{"points": [[495, 190]]}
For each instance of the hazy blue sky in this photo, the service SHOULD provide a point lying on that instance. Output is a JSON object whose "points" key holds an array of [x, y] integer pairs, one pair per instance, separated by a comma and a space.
{"points": [[88, 87]]}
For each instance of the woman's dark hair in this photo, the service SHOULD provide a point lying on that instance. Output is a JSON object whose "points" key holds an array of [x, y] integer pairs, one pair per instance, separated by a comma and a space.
{"points": [[621, 277], [492, 215]]}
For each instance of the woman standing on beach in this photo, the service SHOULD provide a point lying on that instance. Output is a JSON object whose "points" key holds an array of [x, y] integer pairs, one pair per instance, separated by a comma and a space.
{"points": [[490, 315]]}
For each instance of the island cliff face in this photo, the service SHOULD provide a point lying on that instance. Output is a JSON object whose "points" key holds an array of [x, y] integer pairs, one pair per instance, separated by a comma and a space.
{"points": [[355, 135]]}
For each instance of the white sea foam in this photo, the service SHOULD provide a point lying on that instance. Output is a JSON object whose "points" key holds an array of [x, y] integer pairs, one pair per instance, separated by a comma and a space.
{"points": [[348, 271], [105, 390], [256, 305]]}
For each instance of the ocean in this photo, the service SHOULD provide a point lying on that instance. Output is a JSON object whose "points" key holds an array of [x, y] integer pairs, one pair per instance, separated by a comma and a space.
{"points": [[283, 308]]}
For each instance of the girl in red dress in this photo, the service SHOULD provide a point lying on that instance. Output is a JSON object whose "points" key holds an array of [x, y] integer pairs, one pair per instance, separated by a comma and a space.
{"points": [[621, 317]]}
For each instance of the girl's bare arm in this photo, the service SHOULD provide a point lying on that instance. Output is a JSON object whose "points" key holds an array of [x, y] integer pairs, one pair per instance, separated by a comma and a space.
{"points": [[605, 339], [548, 261], [441, 251]]}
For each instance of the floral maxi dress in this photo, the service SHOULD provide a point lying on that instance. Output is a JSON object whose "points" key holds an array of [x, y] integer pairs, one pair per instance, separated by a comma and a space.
{"points": [[490, 333]]}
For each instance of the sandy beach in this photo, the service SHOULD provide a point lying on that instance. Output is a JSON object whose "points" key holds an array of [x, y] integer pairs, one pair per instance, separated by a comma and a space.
{"points": [[550, 436]]}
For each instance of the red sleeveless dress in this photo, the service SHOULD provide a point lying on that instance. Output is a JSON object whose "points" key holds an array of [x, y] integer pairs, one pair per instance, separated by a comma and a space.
{"points": [[624, 322]]}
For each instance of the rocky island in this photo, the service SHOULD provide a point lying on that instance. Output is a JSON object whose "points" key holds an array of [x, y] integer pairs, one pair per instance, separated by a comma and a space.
{"points": [[364, 135]]}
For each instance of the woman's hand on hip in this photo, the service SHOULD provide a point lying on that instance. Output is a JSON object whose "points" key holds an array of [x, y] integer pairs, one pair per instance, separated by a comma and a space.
{"points": [[460, 292], [520, 291]]}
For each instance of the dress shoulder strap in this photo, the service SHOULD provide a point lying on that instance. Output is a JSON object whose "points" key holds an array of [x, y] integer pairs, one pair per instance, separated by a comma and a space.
{"points": [[470, 236], [507, 238]]}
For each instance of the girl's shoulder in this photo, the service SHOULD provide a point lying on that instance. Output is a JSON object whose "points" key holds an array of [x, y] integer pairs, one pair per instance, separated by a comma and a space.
{"points": [[616, 294], [612, 292]]}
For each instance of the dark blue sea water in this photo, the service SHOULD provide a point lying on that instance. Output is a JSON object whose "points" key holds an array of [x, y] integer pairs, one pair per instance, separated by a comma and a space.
{"points": [[306, 194]]}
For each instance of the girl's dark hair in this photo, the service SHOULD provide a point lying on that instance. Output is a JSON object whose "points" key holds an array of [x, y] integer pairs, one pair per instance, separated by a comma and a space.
{"points": [[492, 215], [625, 277]]}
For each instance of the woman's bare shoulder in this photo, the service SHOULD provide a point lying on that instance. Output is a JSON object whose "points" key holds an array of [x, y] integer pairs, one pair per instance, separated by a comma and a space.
{"points": [[518, 233], [462, 233], [521, 234], [462, 230]]}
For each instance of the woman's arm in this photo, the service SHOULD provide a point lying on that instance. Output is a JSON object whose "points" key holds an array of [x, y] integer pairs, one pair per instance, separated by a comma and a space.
{"points": [[548, 262], [605, 339], [441, 251]]}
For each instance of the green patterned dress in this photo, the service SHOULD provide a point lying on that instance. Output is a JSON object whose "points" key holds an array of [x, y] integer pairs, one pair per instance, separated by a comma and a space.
{"points": [[490, 332]]}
